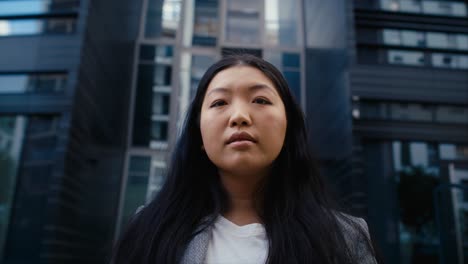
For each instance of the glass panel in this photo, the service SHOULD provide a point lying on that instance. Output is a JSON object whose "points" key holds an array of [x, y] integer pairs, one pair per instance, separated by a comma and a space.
{"points": [[406, 57], [243, 20], [162, 18], [156, 180], [389, 5], [413, 38], [162, 75], [462, 42], [281, 22], [200, 64], [410, 6], [15, 27], [161, 54], [136, 186], [159, 130], [437, 40], [41, 83], [459, 9], [11, 140], [32, 191], [444, 60], [451, 114], [417, 175], [161, 103], [391, 37], [205, 28], [462, 62], [36, 7], [410, 112]]}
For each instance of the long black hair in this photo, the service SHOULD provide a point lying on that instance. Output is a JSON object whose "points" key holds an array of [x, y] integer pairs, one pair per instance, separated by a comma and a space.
{"points": [[301, 220]]}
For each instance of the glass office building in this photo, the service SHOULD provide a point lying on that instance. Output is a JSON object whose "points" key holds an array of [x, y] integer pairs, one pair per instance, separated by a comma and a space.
{"points": [[93, 94]]}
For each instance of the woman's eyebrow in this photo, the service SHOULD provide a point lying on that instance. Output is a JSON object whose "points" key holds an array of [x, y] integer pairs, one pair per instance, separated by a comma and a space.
{"points": [[262, 86], [218, 90]]}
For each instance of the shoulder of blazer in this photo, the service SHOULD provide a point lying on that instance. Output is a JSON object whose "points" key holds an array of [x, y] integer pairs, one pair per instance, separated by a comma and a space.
{"points": [[356, 234]]}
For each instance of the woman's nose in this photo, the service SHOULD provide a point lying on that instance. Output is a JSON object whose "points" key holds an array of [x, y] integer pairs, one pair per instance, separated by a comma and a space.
{"points": [[240, 117]]}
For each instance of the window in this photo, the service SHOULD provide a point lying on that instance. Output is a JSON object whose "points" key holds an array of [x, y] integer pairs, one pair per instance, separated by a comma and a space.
{"points": [[33, 82], [36, 7], [153, 96], [162, 18], [453, 61], [205, 28], [290, 65], [375, 110], [18, 27], [444, 8], [281, 22], [391, 36], [412, 38], [200, 64], [412, 58], [242, 21]]}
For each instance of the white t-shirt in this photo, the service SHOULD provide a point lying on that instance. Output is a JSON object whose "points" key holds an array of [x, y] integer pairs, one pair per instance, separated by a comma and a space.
{"points": [[230, 243]]}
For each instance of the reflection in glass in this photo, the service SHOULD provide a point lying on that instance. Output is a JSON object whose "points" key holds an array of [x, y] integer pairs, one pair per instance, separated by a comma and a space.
{"points": [[445, 8], [160, 54], [454, 61], [391, 37], [416, 166], [161, 103], [413, 58], [200, 63], [36, 7], [242, 21], [290, 65], [40, 83], [205, 28], [159, 130], [162, 18], [413, 112], [16, 27], [413, 38], [281, 22], [136, 186], [11, 140]]}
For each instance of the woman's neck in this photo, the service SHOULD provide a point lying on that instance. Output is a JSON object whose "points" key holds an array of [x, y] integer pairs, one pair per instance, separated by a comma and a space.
{"points": [[241, 193]]}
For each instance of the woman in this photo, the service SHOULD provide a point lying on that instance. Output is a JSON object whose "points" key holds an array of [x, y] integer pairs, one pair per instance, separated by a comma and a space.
{"points": [[242, 186]]}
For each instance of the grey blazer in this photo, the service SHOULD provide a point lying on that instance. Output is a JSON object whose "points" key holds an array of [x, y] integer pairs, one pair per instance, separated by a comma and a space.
{"points": [[196, 250]]}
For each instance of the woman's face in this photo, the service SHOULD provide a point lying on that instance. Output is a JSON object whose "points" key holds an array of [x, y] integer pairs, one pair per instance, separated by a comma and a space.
{"points": [[243, 121]]}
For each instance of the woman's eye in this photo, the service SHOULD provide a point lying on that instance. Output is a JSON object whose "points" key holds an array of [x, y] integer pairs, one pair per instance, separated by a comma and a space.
{"points": [[261, 101], [218, 103]]}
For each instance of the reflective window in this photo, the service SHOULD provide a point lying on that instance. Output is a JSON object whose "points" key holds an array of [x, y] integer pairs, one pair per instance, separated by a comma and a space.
{"points": [[205, 28], [38, 158], [200, 63], [413, 58], [136, 186], [416, 169], [39, 82], [412, 38], [281, 22], [243, 21], [161, 103], [162, 18], [391, 37], [413, 112], [17, 27], [153, 96], [36, 7], [159, 130], [453, 61], [290, 65], [12, 129], [444, 8]]}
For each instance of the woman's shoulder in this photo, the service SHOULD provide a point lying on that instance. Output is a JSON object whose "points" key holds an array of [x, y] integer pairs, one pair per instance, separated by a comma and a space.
{"points": [[357, 237]]}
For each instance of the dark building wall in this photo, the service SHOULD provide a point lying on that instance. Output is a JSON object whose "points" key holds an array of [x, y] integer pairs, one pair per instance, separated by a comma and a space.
{"points": [[98, 131]]}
